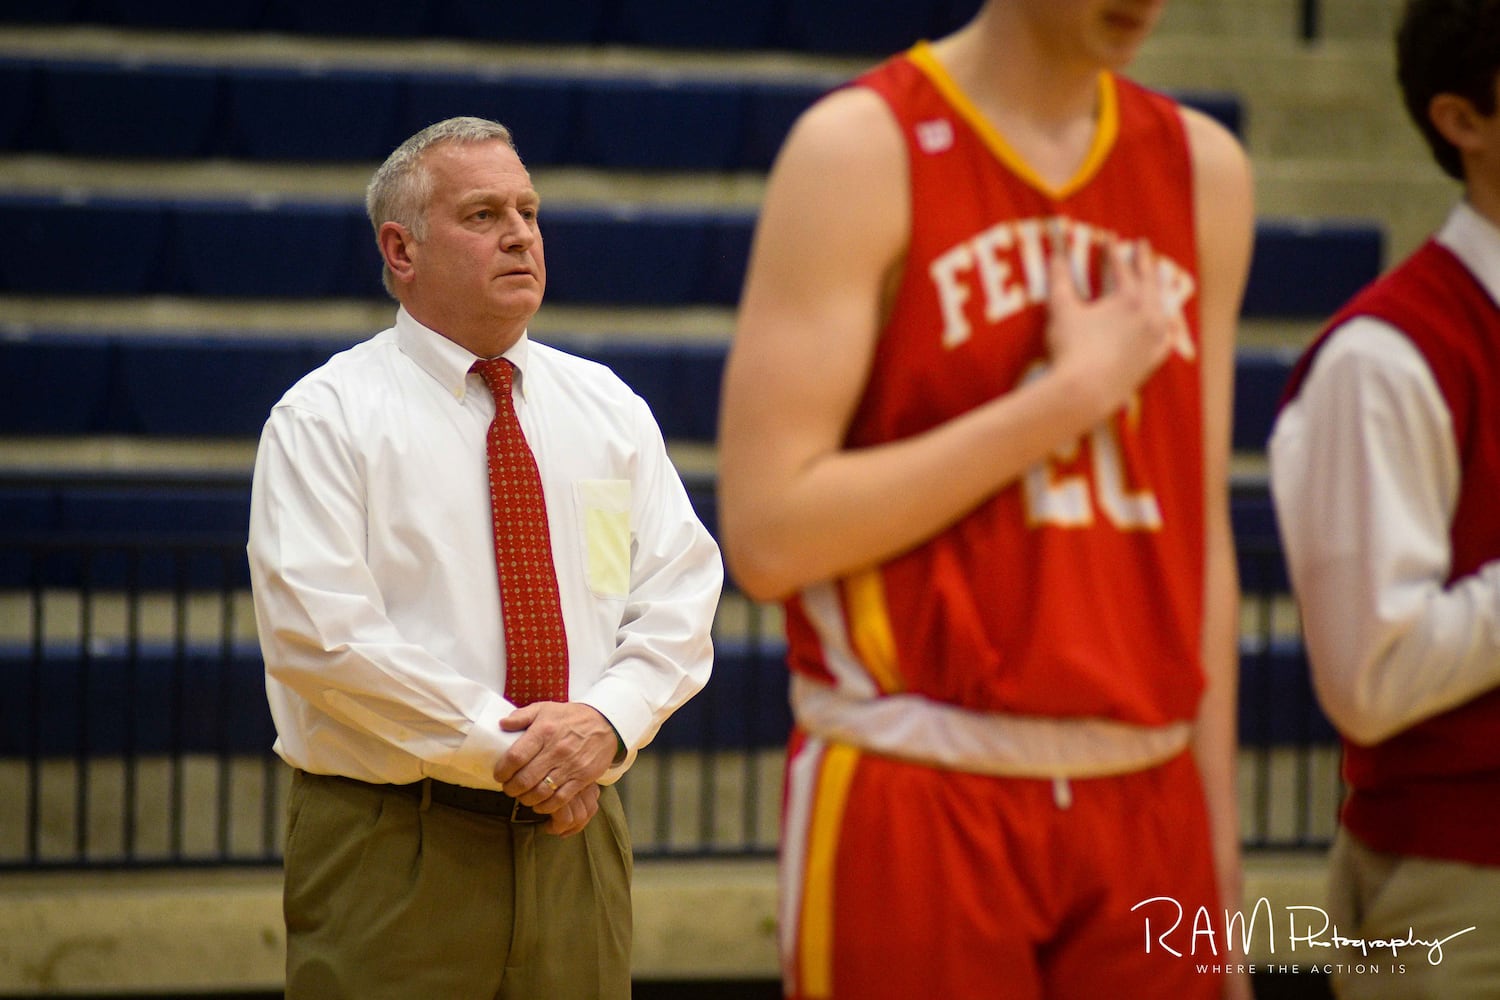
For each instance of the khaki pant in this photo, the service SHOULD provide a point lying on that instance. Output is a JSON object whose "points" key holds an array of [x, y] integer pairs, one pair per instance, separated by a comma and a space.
{"points": [[386, 898], [1392, 898]]}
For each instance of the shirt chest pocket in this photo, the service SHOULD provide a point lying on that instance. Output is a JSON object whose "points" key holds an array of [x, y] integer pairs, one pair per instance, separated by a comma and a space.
{"points": [[604, 525]]}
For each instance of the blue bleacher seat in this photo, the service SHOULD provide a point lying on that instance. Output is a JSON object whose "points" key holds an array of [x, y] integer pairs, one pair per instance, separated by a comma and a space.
{"points": [[18, 82], [81, 246], [43, 12], [29, 510], [624, 256], [949, 15], [680, 121], [364, 263], [55, 384], [577, 22], [749, 24], [705, 499], [220, 15], [156, 511], [1259, 379], [770, 110], [165, 533], [146, 698], [540, 111], [1258, 553], [728, 254], [259, 250], [1311, 267], [1277, 706], [1224, 108], [118, 382], [699, 375], [180, 387], [310, 114], [652, 370], [660, 123], [125, 110], [846, 27], [151, 696], [382, 18], [609, 254], [744, 705]]}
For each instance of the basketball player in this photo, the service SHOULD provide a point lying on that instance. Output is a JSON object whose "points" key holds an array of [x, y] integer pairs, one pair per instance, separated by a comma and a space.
{"points": [[1385, 464], [975, 435]]}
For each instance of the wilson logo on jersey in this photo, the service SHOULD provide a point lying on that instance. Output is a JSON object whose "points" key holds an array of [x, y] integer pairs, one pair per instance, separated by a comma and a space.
{"points": [[935, 135], [1005, 269]]}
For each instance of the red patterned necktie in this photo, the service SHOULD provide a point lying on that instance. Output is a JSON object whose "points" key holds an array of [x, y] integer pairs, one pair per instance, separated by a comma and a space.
{"points": [[536, 646]]}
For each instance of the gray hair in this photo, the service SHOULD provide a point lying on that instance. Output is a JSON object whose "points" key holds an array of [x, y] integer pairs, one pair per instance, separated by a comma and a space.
{"points": [[401, 189]]}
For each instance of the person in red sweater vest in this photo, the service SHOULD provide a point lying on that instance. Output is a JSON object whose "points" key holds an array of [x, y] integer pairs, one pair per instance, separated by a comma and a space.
{"points": [[1385, 469]]}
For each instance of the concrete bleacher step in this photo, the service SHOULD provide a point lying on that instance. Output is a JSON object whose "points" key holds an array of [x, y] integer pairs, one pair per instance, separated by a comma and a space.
{"points": [[154, 933], [1334, 99], [1280, 19], [1410, 197]]}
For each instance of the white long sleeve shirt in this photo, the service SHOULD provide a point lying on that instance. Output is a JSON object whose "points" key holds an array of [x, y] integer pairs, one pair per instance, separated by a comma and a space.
{"points": [[373, 570], [1365, 477]]}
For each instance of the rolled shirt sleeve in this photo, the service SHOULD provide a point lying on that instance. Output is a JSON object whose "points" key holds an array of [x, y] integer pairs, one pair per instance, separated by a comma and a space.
{"points": [[1365, 477]]}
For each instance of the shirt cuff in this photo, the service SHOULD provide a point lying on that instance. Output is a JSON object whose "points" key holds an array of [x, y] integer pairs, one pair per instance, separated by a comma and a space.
{"points": [[628, 713], [473, 763]]}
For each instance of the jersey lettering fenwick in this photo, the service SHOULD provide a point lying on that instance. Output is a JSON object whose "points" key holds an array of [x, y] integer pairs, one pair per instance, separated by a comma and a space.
{"points": [[1005, 267]]}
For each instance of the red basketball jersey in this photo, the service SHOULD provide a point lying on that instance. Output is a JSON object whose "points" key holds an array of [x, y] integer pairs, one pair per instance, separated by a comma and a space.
{"points": [[1077, 591]]}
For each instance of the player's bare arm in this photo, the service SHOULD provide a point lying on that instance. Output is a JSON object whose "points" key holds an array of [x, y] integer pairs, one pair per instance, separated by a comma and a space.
{"points": [[796, 507], [1224, 208]]}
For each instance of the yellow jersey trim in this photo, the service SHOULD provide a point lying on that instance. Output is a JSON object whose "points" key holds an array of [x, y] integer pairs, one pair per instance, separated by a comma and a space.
{"points": [[1106, 130], [870, 629]]}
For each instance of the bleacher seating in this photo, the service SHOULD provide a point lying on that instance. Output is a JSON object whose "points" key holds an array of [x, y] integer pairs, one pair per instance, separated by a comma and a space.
{"points": [[1259, 378], [663, 120], [152, 697], [659, 256], [829, 27], [137, 384]]}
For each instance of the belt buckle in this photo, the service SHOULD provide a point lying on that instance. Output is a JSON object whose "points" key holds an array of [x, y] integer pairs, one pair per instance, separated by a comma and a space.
{"points": [[530, 816]]}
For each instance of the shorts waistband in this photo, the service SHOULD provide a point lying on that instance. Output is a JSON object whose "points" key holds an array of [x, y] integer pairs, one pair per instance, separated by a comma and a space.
{"points": [[915, 728]]}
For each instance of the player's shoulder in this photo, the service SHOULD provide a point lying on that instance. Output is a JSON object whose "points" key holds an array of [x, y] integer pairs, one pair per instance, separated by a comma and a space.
{"points": [[853, 121], [1215, 150]]}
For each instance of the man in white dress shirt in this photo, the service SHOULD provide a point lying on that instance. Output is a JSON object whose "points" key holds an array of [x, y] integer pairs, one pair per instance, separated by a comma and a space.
{"points": [[1385, 467], [442, 841]]}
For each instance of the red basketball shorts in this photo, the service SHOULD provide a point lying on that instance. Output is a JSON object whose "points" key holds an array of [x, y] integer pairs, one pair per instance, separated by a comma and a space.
{"points": [[900, 880]]}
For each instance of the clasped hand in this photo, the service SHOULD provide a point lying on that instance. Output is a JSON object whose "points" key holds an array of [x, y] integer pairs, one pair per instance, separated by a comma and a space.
{"points": [[555, 765]]}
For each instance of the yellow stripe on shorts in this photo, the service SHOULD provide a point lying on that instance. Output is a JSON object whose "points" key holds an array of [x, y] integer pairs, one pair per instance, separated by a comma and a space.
{"points": [[815, 947]]}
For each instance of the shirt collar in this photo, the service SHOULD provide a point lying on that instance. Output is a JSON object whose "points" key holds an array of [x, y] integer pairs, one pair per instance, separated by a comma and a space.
{"points": [[448, 362], [1475, 240]]}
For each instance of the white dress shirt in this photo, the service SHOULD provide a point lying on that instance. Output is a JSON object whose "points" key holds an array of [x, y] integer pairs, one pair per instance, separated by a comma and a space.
{"points": [[373, 568], [1365, 477]]}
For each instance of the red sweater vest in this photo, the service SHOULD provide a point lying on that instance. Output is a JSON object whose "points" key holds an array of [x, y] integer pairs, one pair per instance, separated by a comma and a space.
{"points": [[1434, 789]]}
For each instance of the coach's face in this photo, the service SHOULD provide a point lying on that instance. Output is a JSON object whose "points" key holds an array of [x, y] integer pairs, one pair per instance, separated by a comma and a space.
{"points": [[478, 274]]}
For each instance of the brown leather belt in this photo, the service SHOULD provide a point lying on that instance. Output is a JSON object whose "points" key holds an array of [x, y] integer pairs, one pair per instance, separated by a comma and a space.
{"points": [[475, 800]]}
